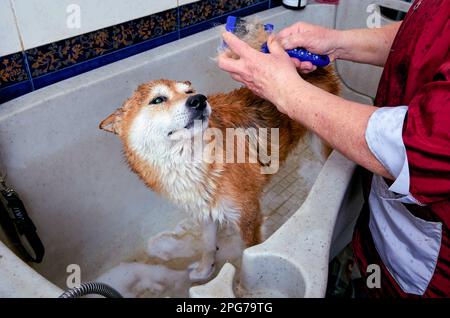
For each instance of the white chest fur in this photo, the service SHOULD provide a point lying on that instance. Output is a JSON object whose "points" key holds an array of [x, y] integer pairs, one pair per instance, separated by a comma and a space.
{"points": [[189, 183]]}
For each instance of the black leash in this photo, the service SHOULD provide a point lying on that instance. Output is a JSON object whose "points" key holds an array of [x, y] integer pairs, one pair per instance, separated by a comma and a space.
{"points": [[18, 226]]}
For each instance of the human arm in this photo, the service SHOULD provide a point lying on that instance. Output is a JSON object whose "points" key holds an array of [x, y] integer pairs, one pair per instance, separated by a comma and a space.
{"points": [[339, 122], [370, 46]]}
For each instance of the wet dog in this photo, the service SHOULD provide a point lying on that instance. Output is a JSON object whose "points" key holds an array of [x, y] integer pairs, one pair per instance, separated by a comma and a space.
{"points": [[163, 125]]}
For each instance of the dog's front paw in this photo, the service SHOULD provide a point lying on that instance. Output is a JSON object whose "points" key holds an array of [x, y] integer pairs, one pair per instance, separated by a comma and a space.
{"points": [[199, 272]]}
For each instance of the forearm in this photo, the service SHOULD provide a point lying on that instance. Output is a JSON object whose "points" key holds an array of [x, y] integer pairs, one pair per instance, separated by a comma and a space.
{"points": [[369, 46], [341, 123]]}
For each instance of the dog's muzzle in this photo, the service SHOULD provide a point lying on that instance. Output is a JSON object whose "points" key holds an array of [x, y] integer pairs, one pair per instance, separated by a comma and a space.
{"points": [[197, 102], [197, 105]]}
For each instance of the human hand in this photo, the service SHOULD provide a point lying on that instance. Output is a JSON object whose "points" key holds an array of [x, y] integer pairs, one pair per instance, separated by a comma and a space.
{"points": [[270, 76], [314, 38]]}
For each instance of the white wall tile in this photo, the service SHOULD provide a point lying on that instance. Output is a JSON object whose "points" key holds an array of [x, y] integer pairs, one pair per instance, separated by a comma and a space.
{"points": [[45, 21], [9, 36]]}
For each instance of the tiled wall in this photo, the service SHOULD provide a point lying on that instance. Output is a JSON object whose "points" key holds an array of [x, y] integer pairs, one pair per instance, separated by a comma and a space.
{"points": [[25, 65], [34, 61]]}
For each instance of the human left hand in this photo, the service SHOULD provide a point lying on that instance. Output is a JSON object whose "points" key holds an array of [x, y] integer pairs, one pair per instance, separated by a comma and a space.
{"points": [[270, 76]]}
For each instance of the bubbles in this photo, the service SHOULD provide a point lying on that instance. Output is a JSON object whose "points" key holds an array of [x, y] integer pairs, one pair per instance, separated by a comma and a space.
{"points": [[160, 270]]}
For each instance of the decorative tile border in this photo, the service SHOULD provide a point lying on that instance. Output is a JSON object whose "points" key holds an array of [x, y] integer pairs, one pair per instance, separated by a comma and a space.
{"points": [[208, 13], [62, 54], [203, 10], [12, 70], [15, 90], [275, 3], [23, 72]]}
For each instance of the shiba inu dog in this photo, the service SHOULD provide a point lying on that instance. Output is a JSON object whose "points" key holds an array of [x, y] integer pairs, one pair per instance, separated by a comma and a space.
{"points": [[164, 122]]}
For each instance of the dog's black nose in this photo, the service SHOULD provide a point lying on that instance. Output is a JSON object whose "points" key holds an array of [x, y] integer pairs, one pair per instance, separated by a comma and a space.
{"points": [[197, 102]]}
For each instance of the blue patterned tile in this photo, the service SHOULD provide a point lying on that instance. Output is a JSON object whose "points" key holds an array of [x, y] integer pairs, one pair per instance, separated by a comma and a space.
{"points": [[204, 10], [196, 27], [65, 53], [79, 68], [23, 72], [12, 70]]}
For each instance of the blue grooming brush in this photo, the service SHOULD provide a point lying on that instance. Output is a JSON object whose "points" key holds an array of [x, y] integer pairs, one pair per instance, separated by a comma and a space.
{"points": [[237, 26]]}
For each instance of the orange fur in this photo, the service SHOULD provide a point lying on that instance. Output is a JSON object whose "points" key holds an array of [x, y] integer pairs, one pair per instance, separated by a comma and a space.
{"points": [[242, 182], [238, 184]]}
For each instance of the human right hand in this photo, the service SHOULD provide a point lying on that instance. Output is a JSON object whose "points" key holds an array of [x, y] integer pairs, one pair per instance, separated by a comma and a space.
{"points": [[314, 38]]}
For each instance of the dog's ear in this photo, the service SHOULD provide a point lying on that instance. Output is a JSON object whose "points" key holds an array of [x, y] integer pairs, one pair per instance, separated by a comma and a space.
{"points": [[113, 123]]}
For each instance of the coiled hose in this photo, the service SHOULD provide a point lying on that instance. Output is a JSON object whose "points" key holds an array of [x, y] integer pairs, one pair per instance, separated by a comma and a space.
{"points": [[91, 288]]}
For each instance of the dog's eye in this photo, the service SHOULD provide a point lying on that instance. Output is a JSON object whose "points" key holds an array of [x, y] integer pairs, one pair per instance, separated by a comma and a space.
{"points": [[191, 91], [158, 100]]}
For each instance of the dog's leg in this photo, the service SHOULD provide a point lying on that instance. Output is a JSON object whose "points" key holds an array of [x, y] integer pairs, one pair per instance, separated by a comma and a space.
{"points": [[202, 270], [250, 223]]}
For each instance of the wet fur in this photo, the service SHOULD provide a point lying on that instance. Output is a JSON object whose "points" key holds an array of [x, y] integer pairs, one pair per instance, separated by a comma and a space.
{"points": [[220, 191], [242, 183]]}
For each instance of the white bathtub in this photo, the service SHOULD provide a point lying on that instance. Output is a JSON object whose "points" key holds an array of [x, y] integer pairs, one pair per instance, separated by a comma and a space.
{"points": [[92, 211]]}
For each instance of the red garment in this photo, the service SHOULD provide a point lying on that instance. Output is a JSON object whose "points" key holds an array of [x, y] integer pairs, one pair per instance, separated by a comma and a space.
{"points": [[417, 74]]}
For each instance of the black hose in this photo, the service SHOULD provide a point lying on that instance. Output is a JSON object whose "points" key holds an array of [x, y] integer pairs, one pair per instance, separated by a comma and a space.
{"points": [[92, 288]]}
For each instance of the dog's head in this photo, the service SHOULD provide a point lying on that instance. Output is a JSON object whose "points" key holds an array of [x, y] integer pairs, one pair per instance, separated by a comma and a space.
{"points": [[160, 111]]}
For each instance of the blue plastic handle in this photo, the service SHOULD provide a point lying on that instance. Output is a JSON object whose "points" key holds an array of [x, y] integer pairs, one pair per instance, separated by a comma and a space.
{"points": [[301, 54], [231, 23], [304, 55]]}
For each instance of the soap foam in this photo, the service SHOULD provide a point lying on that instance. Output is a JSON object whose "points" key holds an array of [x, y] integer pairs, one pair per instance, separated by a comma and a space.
{"points": [[168, 250], [144, 280], [160, 270]]}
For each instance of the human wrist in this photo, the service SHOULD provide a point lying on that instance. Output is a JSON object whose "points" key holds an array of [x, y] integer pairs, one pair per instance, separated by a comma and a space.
{"points": [[340, 44], [287, 102]]}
